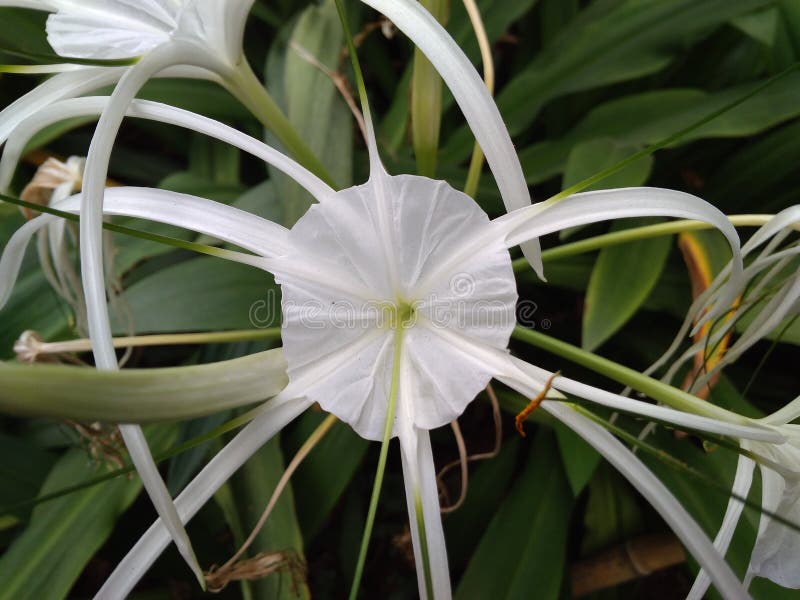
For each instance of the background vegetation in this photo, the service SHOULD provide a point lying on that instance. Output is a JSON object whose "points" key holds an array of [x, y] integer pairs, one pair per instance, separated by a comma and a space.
{"points": [[581, 85]]}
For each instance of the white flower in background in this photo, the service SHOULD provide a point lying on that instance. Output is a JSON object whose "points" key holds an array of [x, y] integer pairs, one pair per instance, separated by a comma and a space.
{"points": [[769, 290]]}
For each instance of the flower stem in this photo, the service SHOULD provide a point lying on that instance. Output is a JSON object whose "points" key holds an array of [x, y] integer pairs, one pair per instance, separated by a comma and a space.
{"points": [[174, 339], [247, 88], [387, 436], [634, 234], [423, 542], [658, 390]]}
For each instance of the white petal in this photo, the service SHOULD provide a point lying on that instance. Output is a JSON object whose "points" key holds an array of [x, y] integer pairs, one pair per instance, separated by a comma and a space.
{"points": [[422, 493], [591, 207], [163, 113], [786, 218], [63, 85], [658, 495], [277, 414], [741, 487], [108, 29], [94, 179], [787, 414], [471, 94], [196, 214], [666, 414], [777, 549], [146, 467], [221, 221]]}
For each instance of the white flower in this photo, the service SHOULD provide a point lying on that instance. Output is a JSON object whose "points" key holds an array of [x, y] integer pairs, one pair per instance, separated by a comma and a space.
{"points": [[407, 246], [428, 258], [777, 548]]}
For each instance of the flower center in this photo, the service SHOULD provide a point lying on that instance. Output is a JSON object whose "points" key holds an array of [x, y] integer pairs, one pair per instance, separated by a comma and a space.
{"points": [[384, 260]]}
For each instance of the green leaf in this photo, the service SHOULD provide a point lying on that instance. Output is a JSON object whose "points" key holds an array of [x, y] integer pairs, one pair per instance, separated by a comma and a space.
{"points": [[326, 472], [203, 294], [580, 460], [587, 158], [426, 101], [622, 279], [253, 485], [23, 467], [608, 42], [487, 488], [525, 543], [611, 512], [645, 118], [761, 25], [63, 534]]}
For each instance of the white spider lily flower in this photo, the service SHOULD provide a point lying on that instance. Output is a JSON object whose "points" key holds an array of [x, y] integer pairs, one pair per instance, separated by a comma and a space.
{"points": [[777, 547], [202, 38], [421, 279]]}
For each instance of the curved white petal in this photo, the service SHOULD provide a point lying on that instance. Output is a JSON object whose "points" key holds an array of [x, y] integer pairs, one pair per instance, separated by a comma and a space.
{"points": [[163, 113], [63, 85], [94, 178], [657, 494], [777, 549], [741, 487], [361, 259], [422, 499], [139, 451], [666, 414], [786, 218], [787, 414], [276, 414], [471, 94], [590, 207], [196, 214], [109, 29]]}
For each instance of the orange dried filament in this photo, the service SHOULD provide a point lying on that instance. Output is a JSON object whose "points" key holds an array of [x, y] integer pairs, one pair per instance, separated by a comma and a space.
{"points": [[519, 420]]}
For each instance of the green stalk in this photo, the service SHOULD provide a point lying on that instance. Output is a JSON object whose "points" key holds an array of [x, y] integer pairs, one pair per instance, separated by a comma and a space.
{"points": [[653, 388], [387, 436], [247, 88], [423, 542], [163, 339], [634, 234], [140, 395]]}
